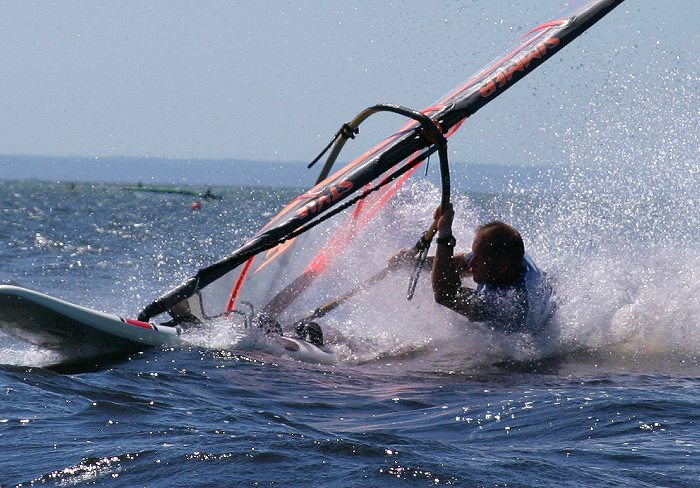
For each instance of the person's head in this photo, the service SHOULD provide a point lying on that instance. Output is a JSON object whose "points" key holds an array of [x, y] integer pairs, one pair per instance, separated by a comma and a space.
{"points": [[498, 253]]}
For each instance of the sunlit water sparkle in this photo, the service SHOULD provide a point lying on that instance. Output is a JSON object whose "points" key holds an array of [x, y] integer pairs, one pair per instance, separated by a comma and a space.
{"points": [[607, 397]]}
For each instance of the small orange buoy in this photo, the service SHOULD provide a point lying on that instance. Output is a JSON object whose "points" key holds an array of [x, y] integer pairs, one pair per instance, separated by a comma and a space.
{"points": [[196, 206]]}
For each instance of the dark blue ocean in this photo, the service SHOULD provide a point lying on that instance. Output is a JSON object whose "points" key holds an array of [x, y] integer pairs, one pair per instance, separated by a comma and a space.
{"points": [[610, 398]]}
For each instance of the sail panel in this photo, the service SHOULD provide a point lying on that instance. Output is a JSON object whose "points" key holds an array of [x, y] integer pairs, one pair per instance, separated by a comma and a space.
{"points": [[278, 265]]}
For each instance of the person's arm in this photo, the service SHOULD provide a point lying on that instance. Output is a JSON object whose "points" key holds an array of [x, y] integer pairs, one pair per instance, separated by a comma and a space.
{"points": [[447, 286], [446, 282]]}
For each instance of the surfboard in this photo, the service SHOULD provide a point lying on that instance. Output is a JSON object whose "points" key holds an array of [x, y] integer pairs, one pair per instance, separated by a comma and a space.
{"points": [[51, 323]]}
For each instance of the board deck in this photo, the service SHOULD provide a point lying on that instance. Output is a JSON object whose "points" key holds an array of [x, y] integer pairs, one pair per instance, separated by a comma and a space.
{"points": [[52, 323]]}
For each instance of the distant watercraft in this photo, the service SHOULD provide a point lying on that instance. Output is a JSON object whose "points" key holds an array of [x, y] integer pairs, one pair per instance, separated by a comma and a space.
{"points": [[174, 190]]}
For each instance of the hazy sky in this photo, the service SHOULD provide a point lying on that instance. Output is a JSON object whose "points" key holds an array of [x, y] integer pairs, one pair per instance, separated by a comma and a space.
{"points": [[274, 80]]}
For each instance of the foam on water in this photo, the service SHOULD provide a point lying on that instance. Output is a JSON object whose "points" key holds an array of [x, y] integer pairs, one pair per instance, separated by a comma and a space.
{"points": [[614, 223], [629, 221]]}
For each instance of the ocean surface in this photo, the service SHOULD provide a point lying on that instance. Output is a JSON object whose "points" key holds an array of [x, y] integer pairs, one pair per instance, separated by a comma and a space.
{"points": [[417, 398]]}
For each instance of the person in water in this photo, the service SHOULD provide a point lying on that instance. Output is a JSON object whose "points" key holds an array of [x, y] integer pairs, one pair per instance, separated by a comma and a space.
{"points": [[512, 294]]}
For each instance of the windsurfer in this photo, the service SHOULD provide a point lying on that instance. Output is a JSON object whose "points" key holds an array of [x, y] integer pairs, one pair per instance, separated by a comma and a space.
{"points": [[512, 294]]}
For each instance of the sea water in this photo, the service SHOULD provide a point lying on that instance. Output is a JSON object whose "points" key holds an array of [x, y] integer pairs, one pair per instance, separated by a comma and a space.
{"points": [[419, 397]]}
